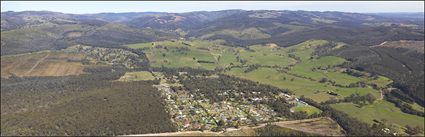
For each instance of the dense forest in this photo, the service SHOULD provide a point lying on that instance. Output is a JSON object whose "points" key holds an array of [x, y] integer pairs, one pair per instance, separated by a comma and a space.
{"points": [[90, 104]]}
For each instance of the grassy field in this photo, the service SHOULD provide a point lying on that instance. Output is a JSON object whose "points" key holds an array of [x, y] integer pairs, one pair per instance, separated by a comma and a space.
{"points": [[266, 55], [195, 54], [417, 107], [41, 64], [245, 34], [137, 76], [381, 81], [380, 110], [302, 78], [295, 68], [308, 109], [300, 86], [217, 55]]}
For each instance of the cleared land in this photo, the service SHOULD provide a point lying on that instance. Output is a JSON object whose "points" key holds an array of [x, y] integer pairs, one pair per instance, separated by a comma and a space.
{"points": [[297, 74], [308, 109], [297, 68], [300, 86], [177, 54], [418, 107], [137, 76], [410, 45], [320, 126], [41, 64], [381, 110]]}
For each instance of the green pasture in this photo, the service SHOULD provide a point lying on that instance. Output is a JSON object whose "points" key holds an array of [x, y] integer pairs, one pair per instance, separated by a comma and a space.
{"points": [[380, 110]]}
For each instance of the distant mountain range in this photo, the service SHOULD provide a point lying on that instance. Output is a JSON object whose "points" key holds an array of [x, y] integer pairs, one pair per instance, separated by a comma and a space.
{"points": [[54, 30], [99, 74]]}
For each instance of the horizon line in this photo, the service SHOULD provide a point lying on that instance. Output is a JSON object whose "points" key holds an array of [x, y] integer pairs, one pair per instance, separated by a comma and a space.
{"points": [[204, 11]]}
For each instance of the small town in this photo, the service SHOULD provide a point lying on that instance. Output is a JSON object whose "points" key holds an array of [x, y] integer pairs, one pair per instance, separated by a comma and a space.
{"points": [[198, 113]]}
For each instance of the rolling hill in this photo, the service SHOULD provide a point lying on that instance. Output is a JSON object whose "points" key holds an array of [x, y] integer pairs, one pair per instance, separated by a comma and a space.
{"points": [[155, 72]]}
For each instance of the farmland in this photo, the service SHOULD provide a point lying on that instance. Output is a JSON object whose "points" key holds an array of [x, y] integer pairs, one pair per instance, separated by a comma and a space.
{"points": [[41, 64], [296, 68], [380, 111], [208, 73]]}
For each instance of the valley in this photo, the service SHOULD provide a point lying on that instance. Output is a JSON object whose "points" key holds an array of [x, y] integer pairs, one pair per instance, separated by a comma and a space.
{"points": [[219, 73]]}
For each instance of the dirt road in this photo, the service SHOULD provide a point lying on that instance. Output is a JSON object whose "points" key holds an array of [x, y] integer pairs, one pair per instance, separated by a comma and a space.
{"points": [[36, 64], [315, 125]]}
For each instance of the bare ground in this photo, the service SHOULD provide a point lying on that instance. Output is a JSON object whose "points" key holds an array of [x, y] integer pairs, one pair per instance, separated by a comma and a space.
{"points": [[41, 64], [323, 126]]}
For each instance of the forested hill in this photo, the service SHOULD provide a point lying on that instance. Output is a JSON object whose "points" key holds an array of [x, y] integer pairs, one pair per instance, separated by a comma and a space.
{"points": [[153, 72], [31, 31], [53, 30]]}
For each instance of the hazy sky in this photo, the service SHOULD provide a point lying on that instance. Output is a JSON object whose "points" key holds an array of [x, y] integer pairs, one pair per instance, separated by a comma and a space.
{"points": [[185, 6]]}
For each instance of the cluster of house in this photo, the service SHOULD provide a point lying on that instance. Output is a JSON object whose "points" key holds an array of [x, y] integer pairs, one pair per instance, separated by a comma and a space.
{"points": [[106, 55], [185, 112], [199, 113]]}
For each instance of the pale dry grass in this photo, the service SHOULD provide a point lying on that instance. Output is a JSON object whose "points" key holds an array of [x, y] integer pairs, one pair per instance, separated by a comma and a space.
{"points": [[41, 64]]}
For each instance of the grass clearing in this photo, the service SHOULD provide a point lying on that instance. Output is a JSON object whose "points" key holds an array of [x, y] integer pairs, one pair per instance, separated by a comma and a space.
{"points": [[211, 54], [308, 109], [267, 56], [379, 110], [417, 107], [381, 81], [300, 86], [177, 54], [137, 76]]}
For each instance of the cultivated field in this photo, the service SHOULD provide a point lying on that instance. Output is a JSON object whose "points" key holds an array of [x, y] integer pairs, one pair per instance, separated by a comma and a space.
{"points": [[41, 64]]}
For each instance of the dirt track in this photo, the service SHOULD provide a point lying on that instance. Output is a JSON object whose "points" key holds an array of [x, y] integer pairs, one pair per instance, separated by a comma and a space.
{"points": [[323, 126], [36, 64], [41, 64]]}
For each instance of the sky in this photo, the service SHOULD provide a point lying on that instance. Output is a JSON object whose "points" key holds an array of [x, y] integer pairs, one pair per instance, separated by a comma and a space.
{"points": [[81, 7]]}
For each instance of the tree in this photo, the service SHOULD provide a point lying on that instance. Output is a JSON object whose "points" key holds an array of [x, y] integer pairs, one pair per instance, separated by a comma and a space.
{"points": [[413, 130], [221, 122], [323, 80], [370, 98]]}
